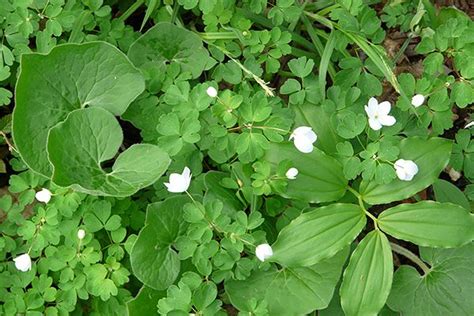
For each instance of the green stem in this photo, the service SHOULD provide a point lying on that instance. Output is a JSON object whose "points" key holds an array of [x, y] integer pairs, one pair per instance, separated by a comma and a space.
{"points": [[211, 36], [410, 255], [134, 7], [402, 49]]}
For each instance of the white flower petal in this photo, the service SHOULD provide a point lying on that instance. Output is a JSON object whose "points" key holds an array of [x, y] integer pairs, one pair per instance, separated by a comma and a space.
{"points": [[374, 124], [179, 183], [81, 233], [418, 100], [212, 92], [387, 120], [263, 252], [384, 108], [303, 145], [23, 262], [43, 196], [291, 173], [469, 124], [373, 104], [405, 169], [303, 138]]}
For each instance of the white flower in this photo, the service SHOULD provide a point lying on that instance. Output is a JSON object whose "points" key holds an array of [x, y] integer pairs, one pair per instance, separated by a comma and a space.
{"points": [[469, 124], [304, 137], [43, 196], [81, 233], [417, 100], [23, 262], [406, 169], [378, 114], [263, 251], [212, 92], [291, 173], [179, 183]]}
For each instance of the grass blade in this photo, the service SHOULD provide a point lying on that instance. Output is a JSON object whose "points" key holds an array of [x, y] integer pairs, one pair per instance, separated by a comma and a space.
{"points": [[325, 62]]}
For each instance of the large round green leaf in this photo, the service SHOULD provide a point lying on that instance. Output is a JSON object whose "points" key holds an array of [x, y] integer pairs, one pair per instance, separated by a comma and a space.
{"points": [[289, 291], [320, 177], [368, 277], [89, 137], [430, 155], [153, 260], [429, 223], [319, 234], [446, 290], [167, 43], [70, 77]]}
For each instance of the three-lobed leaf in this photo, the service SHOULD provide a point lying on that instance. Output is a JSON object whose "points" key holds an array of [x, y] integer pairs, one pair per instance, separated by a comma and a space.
{"points": [[429, 223], [318, 234]]}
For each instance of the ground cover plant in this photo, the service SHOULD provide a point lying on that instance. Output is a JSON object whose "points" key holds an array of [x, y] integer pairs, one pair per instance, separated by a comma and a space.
{"points": [[223, 157]]}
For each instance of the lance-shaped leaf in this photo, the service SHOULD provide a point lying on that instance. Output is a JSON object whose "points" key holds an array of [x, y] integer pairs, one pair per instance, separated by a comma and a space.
{"points": [[446, 290], [431, 156], [368, 277], [289, 291], [320, 177], [153, 260], [70, 77], [319, 234], [429, 223], [89, 137]]}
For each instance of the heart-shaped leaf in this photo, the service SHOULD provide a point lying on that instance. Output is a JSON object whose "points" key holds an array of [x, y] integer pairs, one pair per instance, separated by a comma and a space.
{"points": [[320, 177], [89, 137], [319, 234], [431, 157], [446, 290], [429, 223], [167, 43], [70, 77], [307, 288], [153, 260], [368, 277]]}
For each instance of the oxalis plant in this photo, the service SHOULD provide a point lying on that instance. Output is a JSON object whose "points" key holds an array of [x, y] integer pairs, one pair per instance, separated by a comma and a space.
{"points": [[212, 157]]}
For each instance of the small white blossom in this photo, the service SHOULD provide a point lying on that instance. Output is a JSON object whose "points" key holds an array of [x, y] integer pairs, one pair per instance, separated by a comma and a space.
{"points": [[23, 262], [469, 124], [263, 252], [303, 137], [179, 183], [406, 169], [212, 92], [81, 233], [378, 114], [417, 100], [291, 173], [43, 196]]}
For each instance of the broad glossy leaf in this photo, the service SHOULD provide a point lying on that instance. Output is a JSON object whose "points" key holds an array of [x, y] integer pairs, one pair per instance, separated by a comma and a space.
{"points": [[446, 290], [429, 223], [168, 43], [153, 260], [145, 302], [320, 177], [70, 77], [445, 191], [430, 155], [315, 116], [89, 137], [368, 277], [319, 234], [289, 291]]}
